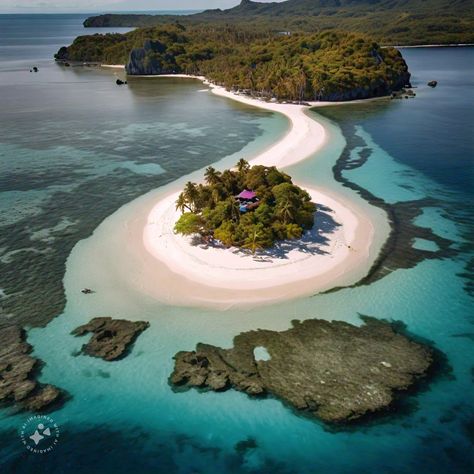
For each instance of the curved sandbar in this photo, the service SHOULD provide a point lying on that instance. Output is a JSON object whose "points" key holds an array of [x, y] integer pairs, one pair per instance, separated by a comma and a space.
{"points": [[334, 245], [336, 252]]}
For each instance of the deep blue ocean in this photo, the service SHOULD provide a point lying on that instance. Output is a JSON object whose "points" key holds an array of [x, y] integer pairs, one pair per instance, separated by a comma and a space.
{"points": [[75, 149]]}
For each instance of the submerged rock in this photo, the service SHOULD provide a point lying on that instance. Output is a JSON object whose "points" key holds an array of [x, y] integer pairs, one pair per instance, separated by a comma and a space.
{"points": [[18, 370], [111, 337], [332, 370]]}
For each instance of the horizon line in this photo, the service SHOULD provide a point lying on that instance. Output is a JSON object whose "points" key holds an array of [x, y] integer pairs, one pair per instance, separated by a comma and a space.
{"points": [[103, 12]]}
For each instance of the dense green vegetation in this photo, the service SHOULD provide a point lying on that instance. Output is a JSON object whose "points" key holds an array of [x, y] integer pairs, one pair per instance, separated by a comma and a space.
{"points": [[393, 22], [280, 211], [301, 66]]}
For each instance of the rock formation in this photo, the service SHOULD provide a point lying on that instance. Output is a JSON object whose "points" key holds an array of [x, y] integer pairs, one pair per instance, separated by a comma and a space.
{"points": [[144, 61], [18, 370], [111, 338], [332, 370]]}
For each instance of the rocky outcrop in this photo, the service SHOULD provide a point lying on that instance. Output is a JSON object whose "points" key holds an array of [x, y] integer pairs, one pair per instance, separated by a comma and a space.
{"points": [[18, 371], [332, 370], [111, 338], [147, 60], [62, 54]]}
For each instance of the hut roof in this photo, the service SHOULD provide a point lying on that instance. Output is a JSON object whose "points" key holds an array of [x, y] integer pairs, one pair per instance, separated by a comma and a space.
{"points": [[246, 194]]}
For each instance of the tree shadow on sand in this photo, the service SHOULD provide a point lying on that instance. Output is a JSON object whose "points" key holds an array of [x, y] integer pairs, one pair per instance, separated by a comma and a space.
{"points": [[313, 242]]}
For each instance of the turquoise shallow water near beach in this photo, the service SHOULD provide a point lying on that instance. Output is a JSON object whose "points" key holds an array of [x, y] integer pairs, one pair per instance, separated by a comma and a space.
{"points": [[117, 144]]}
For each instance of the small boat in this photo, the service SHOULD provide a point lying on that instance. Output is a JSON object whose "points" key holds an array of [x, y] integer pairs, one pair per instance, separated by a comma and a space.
{"points": [[86, 291]]}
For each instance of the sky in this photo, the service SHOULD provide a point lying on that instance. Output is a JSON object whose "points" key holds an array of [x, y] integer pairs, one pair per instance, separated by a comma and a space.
{"points": [[85, 6]]}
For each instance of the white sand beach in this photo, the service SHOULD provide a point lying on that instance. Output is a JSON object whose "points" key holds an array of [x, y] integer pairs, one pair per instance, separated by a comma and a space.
{"points": [[337, 242], [336, 252], [113, 66]]}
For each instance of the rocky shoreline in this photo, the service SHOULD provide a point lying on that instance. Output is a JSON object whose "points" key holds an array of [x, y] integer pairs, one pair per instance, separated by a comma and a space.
{"points": [[333, 371], [111, 338], [18, 373]]}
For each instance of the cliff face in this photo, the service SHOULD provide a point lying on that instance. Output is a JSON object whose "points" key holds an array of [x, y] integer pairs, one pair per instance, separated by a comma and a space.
{"points": [[146, 60]]}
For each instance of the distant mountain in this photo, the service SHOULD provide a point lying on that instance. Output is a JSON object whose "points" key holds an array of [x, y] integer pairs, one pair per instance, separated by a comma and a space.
{"points": [[389, 21], [311, 7]]}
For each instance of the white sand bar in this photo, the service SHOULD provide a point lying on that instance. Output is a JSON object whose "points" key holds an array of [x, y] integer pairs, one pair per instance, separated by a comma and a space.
{"points": [[336, 252]]}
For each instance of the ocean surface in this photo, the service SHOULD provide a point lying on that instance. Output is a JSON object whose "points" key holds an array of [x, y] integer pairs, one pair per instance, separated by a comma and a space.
{"points": [[75, 149]]}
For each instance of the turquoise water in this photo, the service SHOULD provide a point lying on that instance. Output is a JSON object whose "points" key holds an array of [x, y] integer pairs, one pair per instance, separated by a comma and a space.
{"points": [[74, 147], [124, 417]]}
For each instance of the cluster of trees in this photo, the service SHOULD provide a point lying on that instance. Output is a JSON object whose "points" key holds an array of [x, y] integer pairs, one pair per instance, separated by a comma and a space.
{"points": [[303, 66], [388, 21], [211, 210]]}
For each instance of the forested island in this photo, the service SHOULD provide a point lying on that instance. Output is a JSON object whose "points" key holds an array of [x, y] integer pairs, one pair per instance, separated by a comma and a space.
{"points": [[250, 207], [330, 66], [390, 22]]}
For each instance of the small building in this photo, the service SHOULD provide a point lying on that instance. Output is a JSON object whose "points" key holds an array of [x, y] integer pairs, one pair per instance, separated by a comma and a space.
{"points": [[248, 200], [247, 196]]}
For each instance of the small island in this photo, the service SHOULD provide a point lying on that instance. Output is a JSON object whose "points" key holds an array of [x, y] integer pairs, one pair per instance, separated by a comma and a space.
{"points": [[252, 234], [251, 207]]}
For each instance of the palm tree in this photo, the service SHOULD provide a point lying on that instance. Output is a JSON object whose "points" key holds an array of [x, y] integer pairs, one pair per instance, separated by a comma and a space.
{"points": [[191, 195], [293, 231], [302, 84], [181, 203], [216, 194], [256, 238], [234, 209], [228, 180], [242, 166], [212, 176], [286, 209]]}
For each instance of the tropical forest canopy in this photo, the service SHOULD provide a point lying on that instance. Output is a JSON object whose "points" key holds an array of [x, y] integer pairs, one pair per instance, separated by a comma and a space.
{"points": [[393, 22], [280, 210], [310, 66]]}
